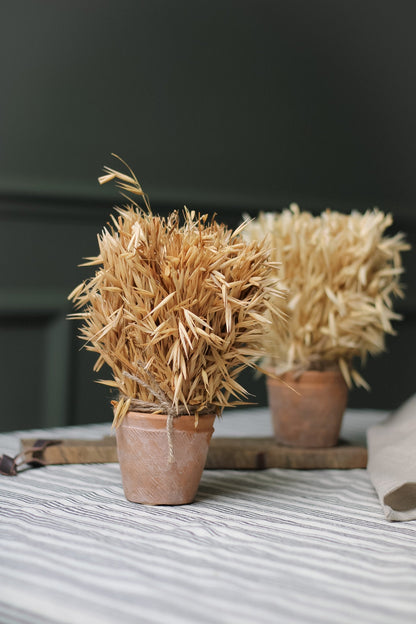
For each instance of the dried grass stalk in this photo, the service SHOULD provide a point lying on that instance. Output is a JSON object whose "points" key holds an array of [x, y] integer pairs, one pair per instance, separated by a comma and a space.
{"points": [[341, 273], [176, 309]]}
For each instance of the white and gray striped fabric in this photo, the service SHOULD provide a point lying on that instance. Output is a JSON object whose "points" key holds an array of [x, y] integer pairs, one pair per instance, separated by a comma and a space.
{"points": [[273, 546]]}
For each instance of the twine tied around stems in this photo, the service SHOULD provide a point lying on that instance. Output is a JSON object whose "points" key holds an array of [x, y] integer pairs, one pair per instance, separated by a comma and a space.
{"points": [[162, 406]]}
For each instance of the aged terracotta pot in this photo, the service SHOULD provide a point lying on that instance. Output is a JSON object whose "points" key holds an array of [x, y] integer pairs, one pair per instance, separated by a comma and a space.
{"points": [[143, 453], [310, 417]]}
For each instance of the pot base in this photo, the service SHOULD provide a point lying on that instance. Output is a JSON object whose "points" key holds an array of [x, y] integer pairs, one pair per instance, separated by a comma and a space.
{"points": [[309, 413], [143, 451]]}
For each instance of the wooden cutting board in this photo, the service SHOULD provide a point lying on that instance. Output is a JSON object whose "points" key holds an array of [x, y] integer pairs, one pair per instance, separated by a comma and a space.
{"points": [[224, 453]]}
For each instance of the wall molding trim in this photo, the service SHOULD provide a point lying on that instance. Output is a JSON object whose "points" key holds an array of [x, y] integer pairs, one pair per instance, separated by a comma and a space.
{"points": [[90, 205], [52, 307]]}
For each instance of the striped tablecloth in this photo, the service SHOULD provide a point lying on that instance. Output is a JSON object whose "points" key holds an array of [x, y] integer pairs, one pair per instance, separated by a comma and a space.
{"points": [[275, 546]]}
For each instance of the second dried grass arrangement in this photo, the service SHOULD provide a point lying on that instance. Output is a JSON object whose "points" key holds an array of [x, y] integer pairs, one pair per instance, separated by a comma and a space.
{"points": [[177, 308], [342, 273]]}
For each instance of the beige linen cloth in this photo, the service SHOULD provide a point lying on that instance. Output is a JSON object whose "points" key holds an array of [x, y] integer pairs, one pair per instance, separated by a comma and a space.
{"points": [[392, 462]]}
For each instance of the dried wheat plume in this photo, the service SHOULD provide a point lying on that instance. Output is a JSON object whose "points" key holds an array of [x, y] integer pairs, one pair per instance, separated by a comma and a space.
{"points": [[177, 307], [342, 273]]}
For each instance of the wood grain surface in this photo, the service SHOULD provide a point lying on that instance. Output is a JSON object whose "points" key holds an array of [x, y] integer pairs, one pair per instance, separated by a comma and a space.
{"points": [[224, 453]]}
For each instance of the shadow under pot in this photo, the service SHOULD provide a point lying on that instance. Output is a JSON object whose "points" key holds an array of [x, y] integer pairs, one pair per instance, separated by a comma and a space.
{"points": [[143, 451], [307, 410]]}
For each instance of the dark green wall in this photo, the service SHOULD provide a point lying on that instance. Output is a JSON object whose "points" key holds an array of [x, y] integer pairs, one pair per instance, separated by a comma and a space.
{"points": [[225, 105], [237, 101]]}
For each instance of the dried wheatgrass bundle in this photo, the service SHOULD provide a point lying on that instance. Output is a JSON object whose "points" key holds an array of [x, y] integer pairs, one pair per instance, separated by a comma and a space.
{"points": [[341, 273], [177, 309]]}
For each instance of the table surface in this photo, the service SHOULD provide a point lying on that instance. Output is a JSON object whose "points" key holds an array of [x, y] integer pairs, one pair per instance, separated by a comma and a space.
{"points": [[255, 547]]}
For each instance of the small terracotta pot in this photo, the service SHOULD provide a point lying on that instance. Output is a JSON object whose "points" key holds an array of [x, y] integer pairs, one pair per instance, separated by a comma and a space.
{"points": [[143, 453], [310, 414]]}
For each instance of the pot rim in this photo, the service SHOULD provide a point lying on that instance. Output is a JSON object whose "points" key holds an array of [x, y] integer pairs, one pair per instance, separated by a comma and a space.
{"points": [[150, 420], [313, 377]]}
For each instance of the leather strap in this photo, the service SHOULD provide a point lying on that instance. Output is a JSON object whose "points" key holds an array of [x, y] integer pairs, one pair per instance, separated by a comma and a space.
{"points": [[37, 451], [7, 466], [31, 456]]}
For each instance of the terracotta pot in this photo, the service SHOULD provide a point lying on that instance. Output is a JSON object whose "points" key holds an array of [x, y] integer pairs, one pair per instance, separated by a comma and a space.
{"points": [[310, 417], [143, 453]]}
